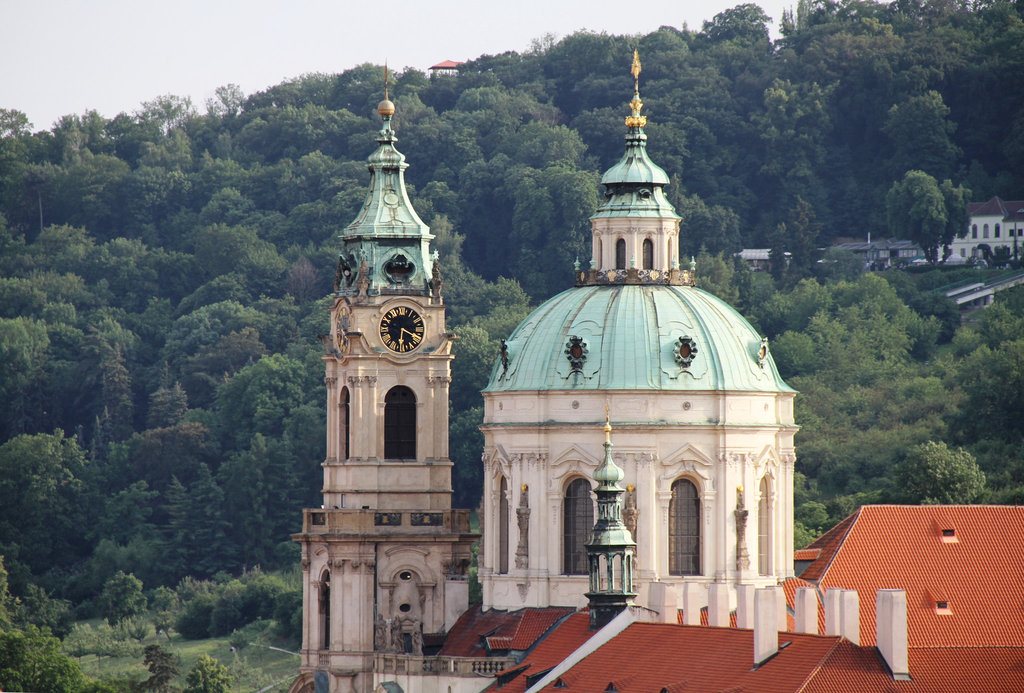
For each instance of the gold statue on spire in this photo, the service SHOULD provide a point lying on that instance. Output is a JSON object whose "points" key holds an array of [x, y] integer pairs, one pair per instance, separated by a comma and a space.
{"points": [[635, 120]]}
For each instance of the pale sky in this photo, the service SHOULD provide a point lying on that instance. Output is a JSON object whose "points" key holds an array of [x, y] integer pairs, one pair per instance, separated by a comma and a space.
{"points": [[69, 56]]}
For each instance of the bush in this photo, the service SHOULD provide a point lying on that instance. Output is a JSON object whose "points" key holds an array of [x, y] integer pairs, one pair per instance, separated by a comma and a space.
{"points": [[194, 621]]}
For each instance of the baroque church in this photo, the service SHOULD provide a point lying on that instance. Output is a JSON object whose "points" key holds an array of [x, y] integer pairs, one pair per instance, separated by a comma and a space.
{"points": [[638, 447]]}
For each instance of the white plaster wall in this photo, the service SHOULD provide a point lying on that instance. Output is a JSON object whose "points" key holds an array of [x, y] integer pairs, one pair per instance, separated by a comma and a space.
{"points": [[719, 441]]}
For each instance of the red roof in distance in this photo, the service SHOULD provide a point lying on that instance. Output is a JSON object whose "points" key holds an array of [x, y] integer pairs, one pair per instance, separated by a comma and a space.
{"points": [[447, 65]]}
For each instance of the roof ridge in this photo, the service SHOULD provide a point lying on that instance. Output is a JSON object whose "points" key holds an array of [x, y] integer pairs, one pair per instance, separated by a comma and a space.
{"points": [[839, 545], [818, 667]]}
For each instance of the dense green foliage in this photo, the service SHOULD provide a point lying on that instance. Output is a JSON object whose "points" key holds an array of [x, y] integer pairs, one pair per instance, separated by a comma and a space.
{"points": [[163, 273]]}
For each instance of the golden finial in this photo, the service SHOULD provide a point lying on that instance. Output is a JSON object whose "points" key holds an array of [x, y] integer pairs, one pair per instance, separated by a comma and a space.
{"points": [[635, 120], [386, 107], [525, 488], [630, 488], [607, 424]]}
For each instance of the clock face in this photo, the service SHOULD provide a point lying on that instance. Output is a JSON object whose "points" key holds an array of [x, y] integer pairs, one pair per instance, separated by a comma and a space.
{"points": [[401, 329]]}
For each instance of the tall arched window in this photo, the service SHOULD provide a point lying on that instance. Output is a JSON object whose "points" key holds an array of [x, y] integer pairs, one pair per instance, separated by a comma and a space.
{"points": [[974, 231], [684, 529], [997, 231], [984, 231], [400, 424], [764, 531], [577, 521], [648, 254], [503, 527], [325, 611], [620, 254], [345, 411]]}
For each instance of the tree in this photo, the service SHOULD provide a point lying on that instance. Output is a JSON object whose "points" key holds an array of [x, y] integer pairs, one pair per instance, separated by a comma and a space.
{"points": [[163, 667], [921, 210], [934, 474], [744, 23], [921, 135], [41, 487], [31, 660], [167, 406], [122, 597], [207, 676]]}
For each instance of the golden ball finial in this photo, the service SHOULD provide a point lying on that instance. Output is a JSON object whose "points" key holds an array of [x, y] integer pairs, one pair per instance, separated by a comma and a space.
{"points": [[387, 106]]}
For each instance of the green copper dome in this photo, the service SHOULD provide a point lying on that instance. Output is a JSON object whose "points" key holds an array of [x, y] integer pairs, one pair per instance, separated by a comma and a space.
{"points": [[635, 337]]}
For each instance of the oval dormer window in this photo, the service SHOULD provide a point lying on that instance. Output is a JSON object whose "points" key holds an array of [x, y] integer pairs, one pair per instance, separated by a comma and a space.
{"points": [[398, 269]]}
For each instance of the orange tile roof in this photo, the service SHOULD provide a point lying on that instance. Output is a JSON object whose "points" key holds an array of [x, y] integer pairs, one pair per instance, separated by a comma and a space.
{"points": [[649, 657], [903, 547], [559, 643], [806, 554], [446, 65], [828, 543], [789, 587], [652, 656], [477, 632]]}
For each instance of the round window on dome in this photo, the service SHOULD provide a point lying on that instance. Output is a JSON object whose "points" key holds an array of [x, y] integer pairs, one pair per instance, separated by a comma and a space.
{"points": [[685, 351]]}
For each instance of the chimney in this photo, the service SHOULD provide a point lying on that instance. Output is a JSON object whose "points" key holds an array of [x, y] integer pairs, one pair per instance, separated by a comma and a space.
{"points": [[693, 601], [806, 607], [850, 620], [744, 606], [718, 605], [780, 597], [766, 627], [891, 620], [663, 600], [833, 622]]}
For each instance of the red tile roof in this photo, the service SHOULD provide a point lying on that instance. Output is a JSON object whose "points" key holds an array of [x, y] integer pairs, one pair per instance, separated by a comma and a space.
{"points": [[478, 632], [806, 554], [652, 656], [996, 205], [446, 65], [827, 544], [903, 547], [558, 644]]}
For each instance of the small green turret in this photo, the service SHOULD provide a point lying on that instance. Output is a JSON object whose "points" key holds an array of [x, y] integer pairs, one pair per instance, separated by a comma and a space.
{"points": [[611, 550]]}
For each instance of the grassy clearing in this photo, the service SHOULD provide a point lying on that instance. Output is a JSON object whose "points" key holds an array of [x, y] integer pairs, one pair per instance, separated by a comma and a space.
{"points": [[254, 665]]}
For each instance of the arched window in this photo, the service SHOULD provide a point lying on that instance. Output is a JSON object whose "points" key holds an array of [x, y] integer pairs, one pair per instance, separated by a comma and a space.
{"points": [[325, 611], [599, 256], [997, 231], [974, 231], [984, 231], [400, 424], [503, 527], [345, 410], [684, 529], [764, 531], [577, 521], [620, 254], [648, 254]]}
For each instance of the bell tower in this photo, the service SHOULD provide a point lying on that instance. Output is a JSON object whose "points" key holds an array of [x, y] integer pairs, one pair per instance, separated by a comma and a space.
{"points": [[385, 558]]}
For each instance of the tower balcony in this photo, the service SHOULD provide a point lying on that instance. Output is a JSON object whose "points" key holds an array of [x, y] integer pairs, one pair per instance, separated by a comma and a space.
{"points": [[366, 521]]}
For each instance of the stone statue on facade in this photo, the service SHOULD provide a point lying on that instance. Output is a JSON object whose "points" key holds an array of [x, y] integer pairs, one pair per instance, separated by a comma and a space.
{"points": [[742, 555], [523, 519]]}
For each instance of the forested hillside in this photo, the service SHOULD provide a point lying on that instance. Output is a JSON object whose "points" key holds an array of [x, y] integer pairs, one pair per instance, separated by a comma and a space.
{"points": [[164, 273]]}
